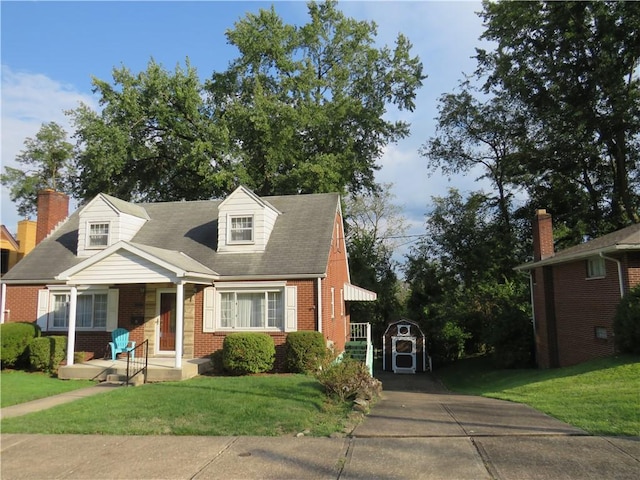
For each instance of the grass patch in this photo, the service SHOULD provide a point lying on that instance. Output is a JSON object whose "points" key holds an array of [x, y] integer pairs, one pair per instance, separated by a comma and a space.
{"points": [[19, 386], [601, 396], [267, 405]]}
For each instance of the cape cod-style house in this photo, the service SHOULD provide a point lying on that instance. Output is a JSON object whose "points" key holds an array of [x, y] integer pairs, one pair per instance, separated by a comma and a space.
{"points": [[183, 275]]}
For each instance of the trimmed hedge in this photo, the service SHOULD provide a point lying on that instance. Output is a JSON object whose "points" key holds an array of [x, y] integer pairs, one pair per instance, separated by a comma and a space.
{"points": [[46, 353], [244, 353], [15, 338], [305, 351], [626, 324]]}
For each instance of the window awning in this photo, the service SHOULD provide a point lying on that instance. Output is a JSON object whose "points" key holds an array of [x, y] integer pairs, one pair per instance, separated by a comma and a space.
{"points": [[353, 293]]}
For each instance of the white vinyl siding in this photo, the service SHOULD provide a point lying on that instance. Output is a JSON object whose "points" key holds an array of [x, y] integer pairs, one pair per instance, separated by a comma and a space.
{"points": [[123, 267], [121, 226], [240, 206]]}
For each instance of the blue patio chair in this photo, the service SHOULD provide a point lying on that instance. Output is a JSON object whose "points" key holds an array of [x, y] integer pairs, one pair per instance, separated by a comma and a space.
{"points": [[121, 343]]}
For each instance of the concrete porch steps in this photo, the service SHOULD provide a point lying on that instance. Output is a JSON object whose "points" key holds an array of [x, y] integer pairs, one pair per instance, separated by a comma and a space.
{"points": [[158, 370]]}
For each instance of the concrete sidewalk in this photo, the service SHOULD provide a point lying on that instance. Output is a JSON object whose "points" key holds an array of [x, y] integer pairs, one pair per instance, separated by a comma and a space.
{"points": [[416, 431]]}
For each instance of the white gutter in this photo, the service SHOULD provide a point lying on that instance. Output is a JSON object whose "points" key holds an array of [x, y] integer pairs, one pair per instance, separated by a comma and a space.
{"points": [[319, 289], [620, 279]]}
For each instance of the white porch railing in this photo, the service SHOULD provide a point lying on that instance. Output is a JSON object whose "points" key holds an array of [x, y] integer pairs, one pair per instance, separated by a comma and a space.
{"points": [[361, 333]]}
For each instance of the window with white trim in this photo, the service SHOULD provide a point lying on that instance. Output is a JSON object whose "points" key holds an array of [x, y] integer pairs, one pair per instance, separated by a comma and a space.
{"points": [[596, 267], [252, 310], [91, 310], [98, 235], [241, 229]]}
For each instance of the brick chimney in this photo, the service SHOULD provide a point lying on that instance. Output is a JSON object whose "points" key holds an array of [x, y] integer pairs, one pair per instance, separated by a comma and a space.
{"points": [[542, 235], [53, 208]]}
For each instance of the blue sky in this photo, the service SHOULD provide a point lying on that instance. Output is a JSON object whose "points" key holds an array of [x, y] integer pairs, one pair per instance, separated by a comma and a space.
{"points": [[51, 50]]}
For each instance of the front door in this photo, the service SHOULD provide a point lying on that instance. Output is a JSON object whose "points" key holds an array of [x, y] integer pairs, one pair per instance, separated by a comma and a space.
{"points": [[167, 329]]}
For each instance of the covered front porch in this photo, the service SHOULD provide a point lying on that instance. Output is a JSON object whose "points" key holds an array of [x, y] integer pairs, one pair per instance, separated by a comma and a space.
{"points": [[155, 295], [159, 369]]}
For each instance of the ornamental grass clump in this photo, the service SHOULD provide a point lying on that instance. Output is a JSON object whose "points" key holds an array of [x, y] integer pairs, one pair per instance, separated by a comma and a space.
{"points": [[348, 379], [245, 353]]}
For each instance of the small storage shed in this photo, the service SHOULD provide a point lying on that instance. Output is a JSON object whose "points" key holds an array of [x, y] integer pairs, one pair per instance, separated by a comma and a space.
{"points": [[404, 348]]}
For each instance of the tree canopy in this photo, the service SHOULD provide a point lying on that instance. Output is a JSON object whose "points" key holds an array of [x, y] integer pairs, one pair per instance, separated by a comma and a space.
{"points": [[305, 106], [574, 67], [46, 163]]}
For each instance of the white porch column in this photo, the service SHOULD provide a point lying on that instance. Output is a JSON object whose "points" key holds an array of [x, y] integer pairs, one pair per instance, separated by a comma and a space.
{"points": [[3, 299], [179, 322], [71, 337]]}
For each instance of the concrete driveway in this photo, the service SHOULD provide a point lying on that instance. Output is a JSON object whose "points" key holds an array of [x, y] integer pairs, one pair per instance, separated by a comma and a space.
{"points": [[417, 431]]}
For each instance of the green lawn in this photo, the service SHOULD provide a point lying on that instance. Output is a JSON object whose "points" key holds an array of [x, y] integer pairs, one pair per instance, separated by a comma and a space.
{"points": [[600, 396], [17, 386], [267, 405]]}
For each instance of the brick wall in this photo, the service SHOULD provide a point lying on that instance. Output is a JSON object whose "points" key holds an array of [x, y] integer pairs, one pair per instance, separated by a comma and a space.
{"points": [[21, 304], [581, 305], [336, 329]]}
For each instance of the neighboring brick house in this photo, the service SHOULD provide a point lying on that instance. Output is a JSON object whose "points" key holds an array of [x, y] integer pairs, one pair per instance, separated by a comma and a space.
{"points": [[183, 275], [575, 292]]}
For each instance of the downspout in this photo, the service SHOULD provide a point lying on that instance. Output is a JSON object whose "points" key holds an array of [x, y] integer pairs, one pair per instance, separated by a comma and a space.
{"points": [[319, 289], [533, 305], [620, 279]]}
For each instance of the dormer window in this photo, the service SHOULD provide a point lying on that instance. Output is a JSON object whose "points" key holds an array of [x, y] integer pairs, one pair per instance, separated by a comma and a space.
{"points": [[241, 229], [98, 235]]}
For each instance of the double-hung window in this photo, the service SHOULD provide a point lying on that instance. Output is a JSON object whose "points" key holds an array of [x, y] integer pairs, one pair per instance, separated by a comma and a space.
{"points": [[98, 235], [241, 229], [247, 310], [91, 310]]}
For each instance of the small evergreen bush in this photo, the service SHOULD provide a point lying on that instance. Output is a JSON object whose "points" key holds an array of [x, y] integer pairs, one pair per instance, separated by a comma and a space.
{"points": [[348, 379], [14, 341], [626, 324], [304, 351], [245, 353], [46, 353]]}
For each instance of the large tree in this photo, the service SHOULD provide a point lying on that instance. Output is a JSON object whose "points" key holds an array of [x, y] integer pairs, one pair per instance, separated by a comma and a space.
{"points": [[574, 66], [152, 140], [485, 137], [46, 162], [305, 106]]}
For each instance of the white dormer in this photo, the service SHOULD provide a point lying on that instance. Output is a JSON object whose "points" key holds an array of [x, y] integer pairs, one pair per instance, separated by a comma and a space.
{"points": [[105, 221], [245, 222]]}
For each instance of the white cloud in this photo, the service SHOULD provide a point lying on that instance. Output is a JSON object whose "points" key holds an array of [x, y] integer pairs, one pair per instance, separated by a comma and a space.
{"points": [[28, 100]]}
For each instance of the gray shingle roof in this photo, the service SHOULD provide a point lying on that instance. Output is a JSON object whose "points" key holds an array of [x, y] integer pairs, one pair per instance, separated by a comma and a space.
{"points": [[625, 239], [299, 243]]}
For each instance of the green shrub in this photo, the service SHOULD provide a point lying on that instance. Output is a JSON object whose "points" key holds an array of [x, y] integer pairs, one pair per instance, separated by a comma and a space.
{"points": [[304, 351], [15, 338], [46, 353], [348, 379], [245, 353], [626, 324]]}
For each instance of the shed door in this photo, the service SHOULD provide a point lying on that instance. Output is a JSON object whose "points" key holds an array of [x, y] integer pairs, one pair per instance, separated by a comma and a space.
{"points": [[404, 354]]}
